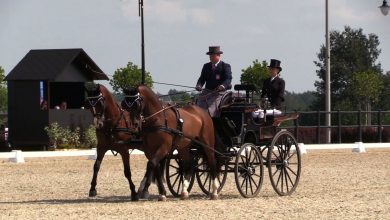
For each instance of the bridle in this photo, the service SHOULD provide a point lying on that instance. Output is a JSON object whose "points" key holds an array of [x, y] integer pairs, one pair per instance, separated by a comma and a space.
{"points": [[93, 101], [135, 103]]}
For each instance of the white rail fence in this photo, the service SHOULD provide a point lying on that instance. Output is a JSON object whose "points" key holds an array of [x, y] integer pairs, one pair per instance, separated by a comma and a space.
{"points": [[18, 156]]}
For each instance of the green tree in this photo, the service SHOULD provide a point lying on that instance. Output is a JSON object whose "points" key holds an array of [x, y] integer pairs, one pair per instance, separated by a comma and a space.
{"points": [[366, 88], [129, 76], [255, 74], [3, 92], [351, 52], [298, 101], [384, 102], [179, 97]]}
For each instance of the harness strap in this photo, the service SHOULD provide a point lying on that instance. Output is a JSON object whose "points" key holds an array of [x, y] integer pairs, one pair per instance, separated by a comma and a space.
{"points": [[176, 133], [158, 112]]}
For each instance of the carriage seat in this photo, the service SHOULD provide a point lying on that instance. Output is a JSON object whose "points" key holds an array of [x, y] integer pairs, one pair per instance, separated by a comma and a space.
{"points": [[245, 87], [226, 100]]}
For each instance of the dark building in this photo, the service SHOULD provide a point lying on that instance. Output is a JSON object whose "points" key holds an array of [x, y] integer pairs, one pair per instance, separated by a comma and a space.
{"points": [[47, 86]]}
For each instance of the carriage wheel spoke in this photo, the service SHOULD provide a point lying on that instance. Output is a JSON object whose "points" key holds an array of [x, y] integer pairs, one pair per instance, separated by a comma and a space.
{"points": [[206, 179], [174, 167], [243, 181], [244, 168], [174, 182], [246, 185], [250, 183], [292, 171], [254, 182], [174, 174], [280, 174], [210, 180], [179, 185], [293, 154], [289, 178], [282, 179], [285, 177]]}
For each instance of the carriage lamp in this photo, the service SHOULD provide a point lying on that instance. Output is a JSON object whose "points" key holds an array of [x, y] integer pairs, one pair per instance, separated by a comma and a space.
{"points": [[384, 8]]}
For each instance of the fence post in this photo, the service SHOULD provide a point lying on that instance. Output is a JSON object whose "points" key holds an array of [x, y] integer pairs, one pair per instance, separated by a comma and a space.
{"points": [[360, 125], [339, 125], [296, 123], [318, 126], [380, 126]]}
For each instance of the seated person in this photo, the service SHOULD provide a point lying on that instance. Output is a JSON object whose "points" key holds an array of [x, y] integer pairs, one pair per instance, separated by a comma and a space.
{"points": [[273, 91], [217, 77]]}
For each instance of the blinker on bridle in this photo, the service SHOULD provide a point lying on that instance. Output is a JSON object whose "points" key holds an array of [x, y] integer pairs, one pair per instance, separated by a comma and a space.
{"points": [[93, 100], [136, 98]]}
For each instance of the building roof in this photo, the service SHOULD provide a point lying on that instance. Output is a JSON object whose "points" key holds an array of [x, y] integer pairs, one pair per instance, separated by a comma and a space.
{"points": [[49, 63]]}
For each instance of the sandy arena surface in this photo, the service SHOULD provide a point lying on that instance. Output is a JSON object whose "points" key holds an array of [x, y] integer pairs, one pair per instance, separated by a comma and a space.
{"points": [[334, 185]]}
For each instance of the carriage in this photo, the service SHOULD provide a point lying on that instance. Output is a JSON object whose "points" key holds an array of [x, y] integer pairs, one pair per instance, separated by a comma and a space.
{"points": [[249, 146], [198, 147]]}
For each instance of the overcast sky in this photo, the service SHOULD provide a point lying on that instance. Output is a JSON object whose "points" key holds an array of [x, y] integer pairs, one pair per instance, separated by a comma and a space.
{"points": [[178, 33]]}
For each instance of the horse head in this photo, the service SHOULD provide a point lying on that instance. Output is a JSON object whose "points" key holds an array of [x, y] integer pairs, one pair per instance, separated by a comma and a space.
{"points": [[134, 104], [96, 101]]}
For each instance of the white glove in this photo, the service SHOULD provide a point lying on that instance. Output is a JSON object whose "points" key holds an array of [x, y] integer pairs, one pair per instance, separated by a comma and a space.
{"points": [[221, 88]]}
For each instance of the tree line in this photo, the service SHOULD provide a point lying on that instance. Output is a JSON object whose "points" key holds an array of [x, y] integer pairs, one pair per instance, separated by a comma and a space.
{"points": [[357, 79]]}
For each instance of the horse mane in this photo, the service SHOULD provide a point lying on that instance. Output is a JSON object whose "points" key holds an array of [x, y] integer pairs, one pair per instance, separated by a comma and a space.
{"points": [[107, 94], [147, 91]]}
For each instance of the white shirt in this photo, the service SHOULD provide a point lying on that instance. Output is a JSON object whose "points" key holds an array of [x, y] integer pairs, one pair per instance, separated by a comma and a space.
{"points": [[215, 65]]}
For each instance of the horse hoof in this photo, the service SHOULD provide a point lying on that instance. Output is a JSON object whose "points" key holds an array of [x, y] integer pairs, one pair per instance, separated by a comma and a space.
{"points": [[184, 196], [92, 193], [162, 198], [214, 197], [144, 195], [134, 197]]}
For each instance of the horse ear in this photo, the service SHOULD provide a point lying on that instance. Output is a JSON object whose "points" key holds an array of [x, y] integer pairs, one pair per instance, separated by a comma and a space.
{"points": [[91, 86], [129, 90], [126, 91]]}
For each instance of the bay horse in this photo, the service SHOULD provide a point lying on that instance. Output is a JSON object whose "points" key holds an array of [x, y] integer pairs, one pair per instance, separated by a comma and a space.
{"points": [[164, 128], [112, 131]]}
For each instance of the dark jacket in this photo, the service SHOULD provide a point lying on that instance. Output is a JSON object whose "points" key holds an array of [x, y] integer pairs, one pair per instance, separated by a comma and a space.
{"points": [[274, 91], [222, 75]]}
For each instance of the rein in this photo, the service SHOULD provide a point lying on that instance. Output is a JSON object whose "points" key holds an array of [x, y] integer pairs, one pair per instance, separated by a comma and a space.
{"points": [[144, 119], [100, 98], [205, 96]]}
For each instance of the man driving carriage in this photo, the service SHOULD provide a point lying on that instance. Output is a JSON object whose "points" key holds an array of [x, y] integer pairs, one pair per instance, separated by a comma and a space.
{"points": [[217, 76]]}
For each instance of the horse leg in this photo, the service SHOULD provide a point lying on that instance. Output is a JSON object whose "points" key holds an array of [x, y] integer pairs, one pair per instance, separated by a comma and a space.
{"points": [[127, 172], [96, 167], [213, 172], [160, 184], [188, 168], [152, 169], [142, 190]]}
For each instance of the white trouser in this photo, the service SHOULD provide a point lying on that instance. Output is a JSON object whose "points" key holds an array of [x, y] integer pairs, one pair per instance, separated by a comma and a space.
{"points": [[259, 113]]}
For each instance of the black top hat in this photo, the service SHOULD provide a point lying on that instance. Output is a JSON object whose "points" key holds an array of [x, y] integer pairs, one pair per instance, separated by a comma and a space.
{"points": [[275, 64], [214, 50]]}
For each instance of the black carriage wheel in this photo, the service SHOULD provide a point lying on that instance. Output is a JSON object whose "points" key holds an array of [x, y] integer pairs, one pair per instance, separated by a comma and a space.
{"points": [[203, 177], [249, 170], [175, 176], [284, 163]]}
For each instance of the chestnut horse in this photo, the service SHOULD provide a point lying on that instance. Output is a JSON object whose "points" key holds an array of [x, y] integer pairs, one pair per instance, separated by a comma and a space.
{"points": [[112, 131], [164, 128]]}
